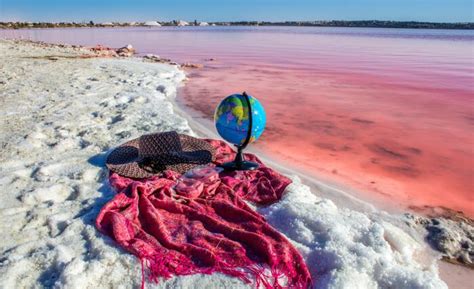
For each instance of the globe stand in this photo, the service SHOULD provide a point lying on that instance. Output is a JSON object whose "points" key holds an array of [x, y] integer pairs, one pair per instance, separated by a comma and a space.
{"points": [[239, 163]]}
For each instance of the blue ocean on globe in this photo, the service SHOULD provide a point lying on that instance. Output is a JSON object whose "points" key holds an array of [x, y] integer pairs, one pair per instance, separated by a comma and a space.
{"points": [[232, 119]]}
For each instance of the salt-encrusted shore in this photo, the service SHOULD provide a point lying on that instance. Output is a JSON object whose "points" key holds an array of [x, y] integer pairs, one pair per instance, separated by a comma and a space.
{"points": [[61, 113]]}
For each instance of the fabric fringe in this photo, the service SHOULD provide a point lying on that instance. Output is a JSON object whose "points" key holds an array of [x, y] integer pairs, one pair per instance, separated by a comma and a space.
{"points": [[163, 266]]}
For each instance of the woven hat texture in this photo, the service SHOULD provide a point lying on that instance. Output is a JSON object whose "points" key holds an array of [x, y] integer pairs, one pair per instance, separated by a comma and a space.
{"points": [[152, 154]]}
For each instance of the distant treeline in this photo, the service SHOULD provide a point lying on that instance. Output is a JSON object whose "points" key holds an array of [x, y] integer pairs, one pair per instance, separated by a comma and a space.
{"points": [[361, 23], [333, 23]]}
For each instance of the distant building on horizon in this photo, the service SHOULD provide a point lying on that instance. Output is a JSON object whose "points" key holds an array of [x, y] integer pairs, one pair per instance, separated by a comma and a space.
{"points": [[152, 24]]}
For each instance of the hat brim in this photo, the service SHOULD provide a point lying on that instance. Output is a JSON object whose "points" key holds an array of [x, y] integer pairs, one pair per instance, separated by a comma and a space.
{"points": [[126, 160]]}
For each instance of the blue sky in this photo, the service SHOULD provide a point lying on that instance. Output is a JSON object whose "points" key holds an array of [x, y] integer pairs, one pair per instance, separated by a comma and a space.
{"points": [[232, 10]]}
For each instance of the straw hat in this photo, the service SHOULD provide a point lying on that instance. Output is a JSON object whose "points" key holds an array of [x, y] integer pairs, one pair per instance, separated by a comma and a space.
{"points": [[152, 154]]}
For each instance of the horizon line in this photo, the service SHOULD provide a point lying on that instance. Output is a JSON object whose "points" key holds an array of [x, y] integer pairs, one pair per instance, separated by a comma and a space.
{"points": [[240, 21]]}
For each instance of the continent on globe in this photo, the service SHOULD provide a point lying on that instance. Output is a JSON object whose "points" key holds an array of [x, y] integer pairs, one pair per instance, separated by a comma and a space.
{"points": [[232, 119]]}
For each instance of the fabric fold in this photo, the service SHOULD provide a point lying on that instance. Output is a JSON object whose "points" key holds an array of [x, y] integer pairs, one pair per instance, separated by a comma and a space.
{"points": [[179, 225]]}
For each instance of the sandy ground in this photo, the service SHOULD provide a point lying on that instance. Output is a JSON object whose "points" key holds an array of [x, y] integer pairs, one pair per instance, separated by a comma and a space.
{"points": [[60, 116]]}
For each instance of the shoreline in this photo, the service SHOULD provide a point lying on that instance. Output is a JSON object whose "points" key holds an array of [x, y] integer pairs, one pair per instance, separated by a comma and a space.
{"points": [[336, 190], [456, 274], [274, 212], [345, 196]]}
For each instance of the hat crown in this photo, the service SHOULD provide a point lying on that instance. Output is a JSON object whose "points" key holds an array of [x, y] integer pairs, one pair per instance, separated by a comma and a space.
{"points": [[154, 153]]}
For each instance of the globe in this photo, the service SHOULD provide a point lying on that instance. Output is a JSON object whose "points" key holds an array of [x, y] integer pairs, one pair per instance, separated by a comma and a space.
{"points": [[233, 122]]}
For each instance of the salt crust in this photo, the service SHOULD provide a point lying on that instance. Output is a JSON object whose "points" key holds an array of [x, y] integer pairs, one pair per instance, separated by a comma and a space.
{"points": [[58, 118]]}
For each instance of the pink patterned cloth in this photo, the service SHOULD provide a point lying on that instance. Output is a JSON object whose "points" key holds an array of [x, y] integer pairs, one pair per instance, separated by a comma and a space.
{"points": [[182, 226]]}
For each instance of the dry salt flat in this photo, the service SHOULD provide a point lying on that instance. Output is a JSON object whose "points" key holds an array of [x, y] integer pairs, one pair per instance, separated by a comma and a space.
{"points": [[61, 114]]}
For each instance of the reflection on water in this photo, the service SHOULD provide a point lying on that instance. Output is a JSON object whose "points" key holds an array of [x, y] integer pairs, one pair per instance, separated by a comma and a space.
{"points": [[388, 111]]}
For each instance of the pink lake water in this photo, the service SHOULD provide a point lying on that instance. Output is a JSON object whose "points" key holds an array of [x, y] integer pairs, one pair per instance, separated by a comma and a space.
{"points": [[388, 112]]}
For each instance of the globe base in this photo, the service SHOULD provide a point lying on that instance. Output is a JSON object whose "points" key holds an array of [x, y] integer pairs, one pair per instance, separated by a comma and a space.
{"points": [[239, 166], [239, 163]]}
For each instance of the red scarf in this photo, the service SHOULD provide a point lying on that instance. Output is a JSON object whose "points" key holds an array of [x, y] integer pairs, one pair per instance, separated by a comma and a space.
{"points": [[202, 225]]}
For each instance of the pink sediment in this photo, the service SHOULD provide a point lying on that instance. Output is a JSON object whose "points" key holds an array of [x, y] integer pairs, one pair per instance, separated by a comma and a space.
{"points": [[398, 138]]}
